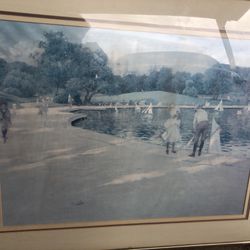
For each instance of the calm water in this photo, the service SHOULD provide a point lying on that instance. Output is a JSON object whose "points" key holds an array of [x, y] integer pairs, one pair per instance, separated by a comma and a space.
{"points": [[127, 123]]}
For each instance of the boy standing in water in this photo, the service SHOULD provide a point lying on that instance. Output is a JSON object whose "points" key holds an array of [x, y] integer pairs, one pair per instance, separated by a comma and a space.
{"points": [[172, 133], [5, 120]]}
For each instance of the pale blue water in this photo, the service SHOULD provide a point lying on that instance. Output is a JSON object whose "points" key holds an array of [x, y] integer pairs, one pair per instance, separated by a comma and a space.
{"points": [[127, 123]]}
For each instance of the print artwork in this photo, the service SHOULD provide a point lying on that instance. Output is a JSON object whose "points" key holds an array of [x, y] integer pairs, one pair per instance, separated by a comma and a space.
{"points": [[106, 125]]}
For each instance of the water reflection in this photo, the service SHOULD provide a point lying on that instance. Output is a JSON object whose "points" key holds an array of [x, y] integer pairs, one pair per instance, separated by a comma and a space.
{"points": [[127, 123]]}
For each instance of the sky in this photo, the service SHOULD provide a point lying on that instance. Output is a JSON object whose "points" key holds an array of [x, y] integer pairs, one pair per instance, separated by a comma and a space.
{"points": [[18, 40]]}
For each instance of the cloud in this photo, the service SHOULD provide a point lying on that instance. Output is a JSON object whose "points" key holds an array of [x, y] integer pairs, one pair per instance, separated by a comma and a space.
{"points": [[18, 40], [120, 43], [22, 51]]}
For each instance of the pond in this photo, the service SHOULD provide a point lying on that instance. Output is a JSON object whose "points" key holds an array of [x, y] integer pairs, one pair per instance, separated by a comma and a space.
{"points": [[128, 123]]}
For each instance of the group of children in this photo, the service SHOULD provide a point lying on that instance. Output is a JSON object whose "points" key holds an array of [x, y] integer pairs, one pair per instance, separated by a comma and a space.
{"points": [[200, 130], [172, 126], [6, 115]]}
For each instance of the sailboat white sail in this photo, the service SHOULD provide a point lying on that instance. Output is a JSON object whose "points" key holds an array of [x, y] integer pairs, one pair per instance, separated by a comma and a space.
{"points": [[137, 108], [149, 109], [219, 107], [214, 143], [207, 104], [239, 112]]}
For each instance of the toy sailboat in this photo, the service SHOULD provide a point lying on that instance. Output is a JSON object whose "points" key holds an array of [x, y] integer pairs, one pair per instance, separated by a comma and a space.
{"points": [[207, 104], [214, 143], [137, 108], [219, 107], [239, 112], [116, 109], [149, 109]]}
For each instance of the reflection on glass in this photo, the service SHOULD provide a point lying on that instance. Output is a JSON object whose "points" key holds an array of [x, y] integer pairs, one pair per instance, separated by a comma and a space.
{"points": [[119, 83]]}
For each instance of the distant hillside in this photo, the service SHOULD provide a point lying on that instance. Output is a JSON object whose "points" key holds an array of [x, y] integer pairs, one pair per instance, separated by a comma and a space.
{"points": [[142, 63], [165, 98]]}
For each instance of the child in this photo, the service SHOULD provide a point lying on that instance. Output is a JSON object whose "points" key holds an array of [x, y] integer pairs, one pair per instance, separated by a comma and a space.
{"points": [[172, 133], [5, 120], [70, 101], [43, 111]]}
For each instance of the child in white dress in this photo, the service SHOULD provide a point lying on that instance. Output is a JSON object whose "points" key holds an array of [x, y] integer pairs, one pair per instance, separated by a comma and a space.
{"points": [[172, 133]]}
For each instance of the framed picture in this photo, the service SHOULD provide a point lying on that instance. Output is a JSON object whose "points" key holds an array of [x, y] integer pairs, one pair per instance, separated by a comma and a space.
{"points": [[124, 126]]}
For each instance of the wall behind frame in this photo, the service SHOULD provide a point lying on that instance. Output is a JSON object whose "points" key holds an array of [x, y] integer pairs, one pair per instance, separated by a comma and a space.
{"points": [[76, 8]]}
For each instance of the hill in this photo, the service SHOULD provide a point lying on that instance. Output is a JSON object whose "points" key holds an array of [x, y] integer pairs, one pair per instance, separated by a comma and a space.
{"points": [[165, 98], [142, 63]]}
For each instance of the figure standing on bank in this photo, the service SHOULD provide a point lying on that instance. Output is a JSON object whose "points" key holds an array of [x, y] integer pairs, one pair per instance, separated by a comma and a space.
{"points": [[5, 120], [172, 133], [43, 111], [70, 101], [200, 128]]}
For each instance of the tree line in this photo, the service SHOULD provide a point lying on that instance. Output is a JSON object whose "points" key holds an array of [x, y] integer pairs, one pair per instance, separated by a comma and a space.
{"points": [[62, 68]]}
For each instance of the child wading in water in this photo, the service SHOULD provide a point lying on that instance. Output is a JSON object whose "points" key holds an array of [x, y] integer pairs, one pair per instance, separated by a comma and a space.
{"points": [[172, 133]]}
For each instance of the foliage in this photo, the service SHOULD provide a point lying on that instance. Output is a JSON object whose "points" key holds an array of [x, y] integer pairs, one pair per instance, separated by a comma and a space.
{"points": [[54, 62], [64, 68], [151, 80], [61, 96], [19, 83], [164, 81], [179, 81], [64, 63], [199, 82], [219, 81], [190, 89], [116, 87], [3, 70]]}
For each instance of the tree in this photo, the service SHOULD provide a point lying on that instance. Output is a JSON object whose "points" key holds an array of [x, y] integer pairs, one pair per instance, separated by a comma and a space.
{"points": [[63, 63], [93, 74], [164, 80], [190, 89], [3, 70], [151, 80], [55, 59], [19, 80], [19, 83], [116, 87], [140, 82], [179, 81], [199, 82], [130, 83], [219, 81]]}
